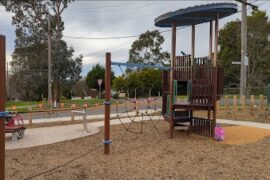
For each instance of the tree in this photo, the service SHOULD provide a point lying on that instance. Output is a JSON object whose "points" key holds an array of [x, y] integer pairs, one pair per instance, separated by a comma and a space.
{"points": [[97, 72], [230, 50], [66, 69], [147, 49], [29, 71], [34, 14], [258, 50], [118, 83], [146, 82], [80, 88], [30, 55]]}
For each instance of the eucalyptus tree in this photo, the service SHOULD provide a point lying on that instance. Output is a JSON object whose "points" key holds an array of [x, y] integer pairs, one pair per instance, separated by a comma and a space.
{"points": [[258, 45], [148, 49], [31, 18]]}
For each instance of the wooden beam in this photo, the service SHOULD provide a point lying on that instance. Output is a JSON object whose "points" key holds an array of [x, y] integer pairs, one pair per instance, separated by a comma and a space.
{"points": [[192, 44], [107, 102], [211, 41], [215, 76], [2, 104], [173, 50], [216, 40]]}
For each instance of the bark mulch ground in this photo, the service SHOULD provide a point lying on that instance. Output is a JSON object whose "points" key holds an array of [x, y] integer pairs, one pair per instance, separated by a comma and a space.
{"points": [[150, 155]]}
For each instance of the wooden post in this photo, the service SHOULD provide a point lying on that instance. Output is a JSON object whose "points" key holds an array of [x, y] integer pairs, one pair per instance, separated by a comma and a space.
{"points": [[215, 76], [73, 106], [252, 103], [218, 105], [226, 103], [234, 103], [173, 50], [243, 102], [216, 41], [192, 44], [211, 41], [137, 106], [261, 104], [14, 108], [84, 118], [2, 104], [107, 104], [30, 116], [72, 116]]}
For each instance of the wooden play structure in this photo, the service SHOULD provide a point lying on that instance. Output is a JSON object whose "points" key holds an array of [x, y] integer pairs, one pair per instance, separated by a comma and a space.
{"points": [[200, 80], [201, 77]]}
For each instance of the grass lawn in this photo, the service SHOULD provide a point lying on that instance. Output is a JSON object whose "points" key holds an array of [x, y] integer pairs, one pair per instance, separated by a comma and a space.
{"points": [[24, 106]]}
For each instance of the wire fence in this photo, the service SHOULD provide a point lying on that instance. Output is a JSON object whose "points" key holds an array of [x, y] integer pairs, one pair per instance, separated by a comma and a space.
{"points": [[264, 90]]}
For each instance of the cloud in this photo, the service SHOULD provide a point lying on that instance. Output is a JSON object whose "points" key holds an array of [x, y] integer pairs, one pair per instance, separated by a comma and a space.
{"points": [[8, 57], [90, 60], [119, 18]]}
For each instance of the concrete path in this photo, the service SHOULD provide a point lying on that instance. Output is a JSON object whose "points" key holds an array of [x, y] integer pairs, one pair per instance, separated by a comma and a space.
{"points": [[49, 135], [244, 123], [43, 136]]}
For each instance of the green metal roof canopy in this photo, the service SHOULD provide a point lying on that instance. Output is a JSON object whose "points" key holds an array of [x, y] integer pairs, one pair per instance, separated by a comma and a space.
{"points": [[196, 15]]}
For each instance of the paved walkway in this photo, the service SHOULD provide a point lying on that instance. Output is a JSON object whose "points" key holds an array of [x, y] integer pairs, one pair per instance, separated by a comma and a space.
{"points": [[49, 135], [43, 136], [244, 123]]}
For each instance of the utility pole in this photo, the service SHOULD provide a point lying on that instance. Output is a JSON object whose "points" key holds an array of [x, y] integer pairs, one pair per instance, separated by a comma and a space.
{"points": [[244, 58], [49, 62], [243, 77]]}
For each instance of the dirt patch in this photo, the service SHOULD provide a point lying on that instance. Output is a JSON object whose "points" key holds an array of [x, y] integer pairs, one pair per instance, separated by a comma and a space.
{"points": [[150, 155], [244, 134]]}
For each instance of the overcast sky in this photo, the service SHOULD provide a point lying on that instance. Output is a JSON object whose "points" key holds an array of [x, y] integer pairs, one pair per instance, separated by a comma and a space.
{"points": [[121, 18]]}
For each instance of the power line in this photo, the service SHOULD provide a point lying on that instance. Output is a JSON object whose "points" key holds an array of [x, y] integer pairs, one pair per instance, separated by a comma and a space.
{"points": [[113, 10], [115, 37], [104, 7]]}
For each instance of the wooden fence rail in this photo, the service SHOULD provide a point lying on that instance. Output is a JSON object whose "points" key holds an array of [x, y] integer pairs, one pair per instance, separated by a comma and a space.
{"points": [[242, 103]]}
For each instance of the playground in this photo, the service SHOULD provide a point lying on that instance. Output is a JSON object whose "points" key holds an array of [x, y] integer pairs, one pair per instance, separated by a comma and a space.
{"points": [[187, 130], [146, 155]]}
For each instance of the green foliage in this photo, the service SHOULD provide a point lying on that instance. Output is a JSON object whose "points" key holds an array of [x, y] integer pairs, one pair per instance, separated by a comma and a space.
{"points": [[97, 72], [146, 82], [147, 49], [29, 65], [258, 50], [230, 50], [118, 83]]}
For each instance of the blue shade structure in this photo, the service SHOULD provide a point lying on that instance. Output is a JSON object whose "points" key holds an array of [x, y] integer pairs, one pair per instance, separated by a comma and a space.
{"points": [[196, 14]]}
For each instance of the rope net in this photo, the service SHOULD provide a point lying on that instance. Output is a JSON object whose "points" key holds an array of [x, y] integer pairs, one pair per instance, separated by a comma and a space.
{"points": [[140, 99]]}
